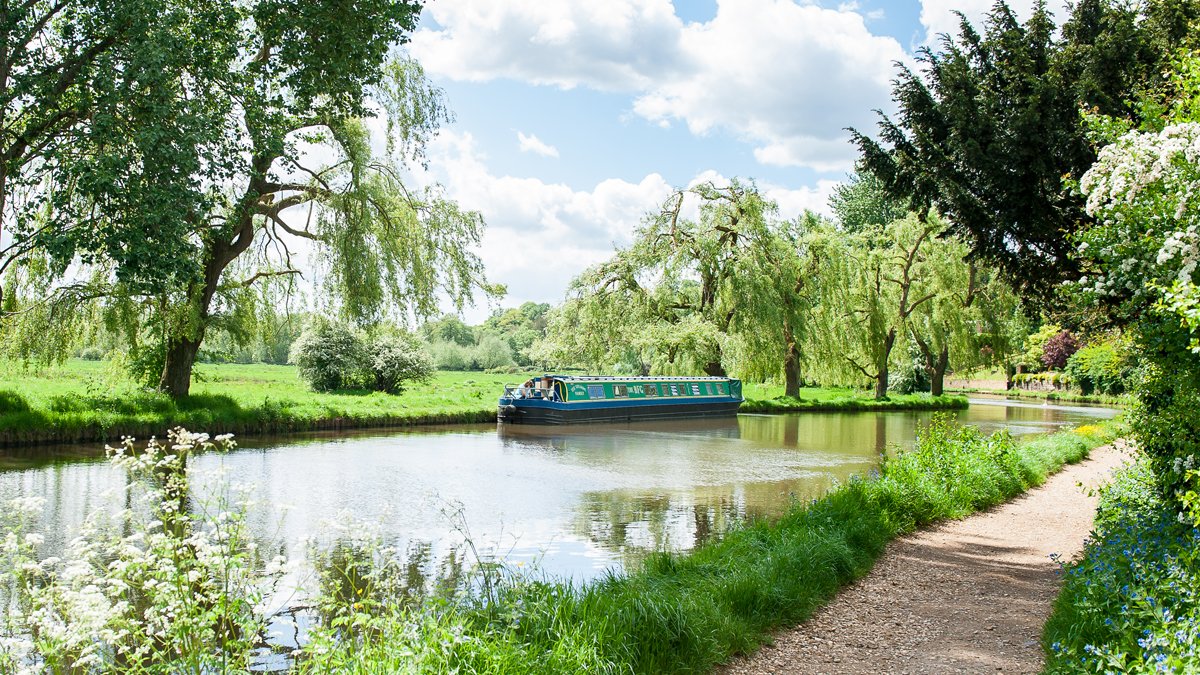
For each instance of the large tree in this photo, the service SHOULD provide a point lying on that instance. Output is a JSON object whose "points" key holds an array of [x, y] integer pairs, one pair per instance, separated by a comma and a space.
{"points": [[990, 126], [267, 150], [683, 295]]}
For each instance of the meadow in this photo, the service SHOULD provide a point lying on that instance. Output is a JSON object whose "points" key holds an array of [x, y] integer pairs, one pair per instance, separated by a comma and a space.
{"points": [[80, 400]]}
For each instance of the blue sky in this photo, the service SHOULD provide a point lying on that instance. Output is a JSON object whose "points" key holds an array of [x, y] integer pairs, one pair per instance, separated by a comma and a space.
{"points": [[573, 119]]}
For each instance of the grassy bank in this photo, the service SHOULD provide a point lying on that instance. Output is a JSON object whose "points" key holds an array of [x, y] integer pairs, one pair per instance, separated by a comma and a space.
{"points": [[1131, 603], [88, 401], [82, 401], [766, 398], [1058, 396], [687, 612]]}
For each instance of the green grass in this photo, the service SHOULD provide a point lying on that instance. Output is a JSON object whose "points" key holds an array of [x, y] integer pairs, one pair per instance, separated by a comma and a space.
{"points": [[89, 400], [85, 400], [686, 612], [769, 398]]}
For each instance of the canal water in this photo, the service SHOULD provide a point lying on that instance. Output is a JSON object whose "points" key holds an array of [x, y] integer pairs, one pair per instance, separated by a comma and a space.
{"points": [[571, 501]]}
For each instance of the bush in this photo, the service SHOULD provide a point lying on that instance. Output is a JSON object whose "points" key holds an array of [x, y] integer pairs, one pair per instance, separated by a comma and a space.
{"points": [[331, 357], [1058, 349], [492, 352], [397, 359], [1104, 367], [1035, 345], [92, 354], [450, 356]]}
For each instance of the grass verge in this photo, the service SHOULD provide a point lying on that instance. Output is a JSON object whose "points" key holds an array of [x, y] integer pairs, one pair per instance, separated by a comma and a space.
{"points": [[83, 401], [1131, 603], [687, 612], [1060, 396]]}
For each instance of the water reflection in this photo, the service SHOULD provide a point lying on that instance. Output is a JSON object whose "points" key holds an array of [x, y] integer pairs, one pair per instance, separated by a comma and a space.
{"points": [[577, 499]]}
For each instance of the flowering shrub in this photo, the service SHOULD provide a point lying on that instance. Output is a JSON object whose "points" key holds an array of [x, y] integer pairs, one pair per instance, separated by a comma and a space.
{"points": [[1132, 603], [398, 359], [331, 357], [159, 587], [1143, 255], [1143, 191]]}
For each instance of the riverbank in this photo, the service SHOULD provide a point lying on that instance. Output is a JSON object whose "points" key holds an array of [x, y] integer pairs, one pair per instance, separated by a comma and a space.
{"points": [[1051, 396], [90, 401], [967, 596]]}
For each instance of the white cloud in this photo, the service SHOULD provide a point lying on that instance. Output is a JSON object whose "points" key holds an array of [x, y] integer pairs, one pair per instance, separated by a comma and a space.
{"points": [[535, 145], [611, 46], [787, 78], [794, 202], [540, 235]]}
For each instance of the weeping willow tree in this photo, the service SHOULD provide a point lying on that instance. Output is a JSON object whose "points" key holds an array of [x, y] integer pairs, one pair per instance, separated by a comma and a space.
{"points": [[272, 162], [777, 287], [703, 293], [906, 284]]}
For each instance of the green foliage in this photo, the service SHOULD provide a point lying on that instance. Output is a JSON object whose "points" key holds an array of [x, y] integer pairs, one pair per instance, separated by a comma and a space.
{"points": [[1035, 345], [396, 360], [686, 289], [330, 357], [448, 328], [1129, 604], [451, 356], [1004, 101], [1103, 367], [92, 353], [492, 352], [1144, 252], [862, 202]]}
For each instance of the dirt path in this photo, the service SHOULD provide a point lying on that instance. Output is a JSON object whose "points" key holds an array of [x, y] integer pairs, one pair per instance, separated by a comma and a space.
{"points": [[969, 596]]}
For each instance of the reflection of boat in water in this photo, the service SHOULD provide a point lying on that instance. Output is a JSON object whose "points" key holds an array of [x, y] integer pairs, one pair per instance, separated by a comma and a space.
{"points": [[563, 399], [559, 436]]}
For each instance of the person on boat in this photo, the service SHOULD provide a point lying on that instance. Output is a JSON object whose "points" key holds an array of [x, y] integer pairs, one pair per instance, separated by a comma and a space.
{"points": [[525, 390]]}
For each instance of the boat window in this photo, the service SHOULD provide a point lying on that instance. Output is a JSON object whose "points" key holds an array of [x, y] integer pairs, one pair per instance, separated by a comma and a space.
{"points": [[720, 389], [595, 391], [620, 390], [695, 390], [674, 390], [650, 389]]}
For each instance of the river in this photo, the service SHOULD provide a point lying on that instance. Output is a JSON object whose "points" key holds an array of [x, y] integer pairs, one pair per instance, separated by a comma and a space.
{"points": [[574, 501]]}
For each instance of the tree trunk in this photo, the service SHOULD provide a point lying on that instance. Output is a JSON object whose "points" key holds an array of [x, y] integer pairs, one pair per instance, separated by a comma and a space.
{"points": [[881, 380], [176, 378], [714, 369], [937, 374], [791, 365], [791, 373]]}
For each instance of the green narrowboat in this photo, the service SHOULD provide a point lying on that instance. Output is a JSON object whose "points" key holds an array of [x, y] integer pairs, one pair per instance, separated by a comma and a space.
{"points": [[564, 399]]}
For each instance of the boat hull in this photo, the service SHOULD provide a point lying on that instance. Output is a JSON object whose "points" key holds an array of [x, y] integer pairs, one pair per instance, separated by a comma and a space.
{"points": [[524, 411]]}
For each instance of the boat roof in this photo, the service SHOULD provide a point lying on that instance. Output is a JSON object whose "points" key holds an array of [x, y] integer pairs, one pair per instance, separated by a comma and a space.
{"points": [[638, 378]]}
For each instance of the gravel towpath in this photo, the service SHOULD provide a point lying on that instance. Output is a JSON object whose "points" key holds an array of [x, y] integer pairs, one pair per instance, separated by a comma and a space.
{"points": [[969, 596]]}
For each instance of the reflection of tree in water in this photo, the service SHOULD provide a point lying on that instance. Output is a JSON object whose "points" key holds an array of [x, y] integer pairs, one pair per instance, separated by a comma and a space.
{"points": [[634, 524]]}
